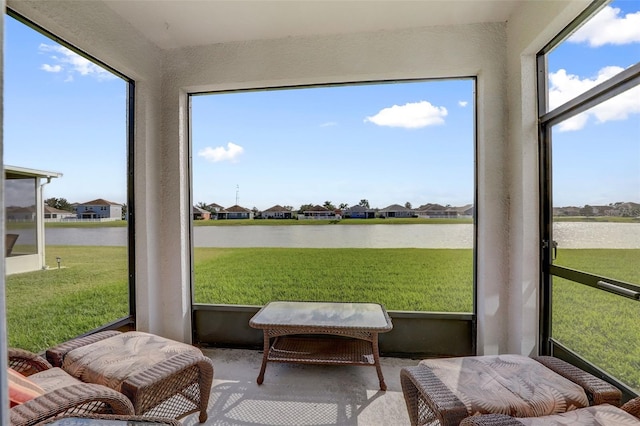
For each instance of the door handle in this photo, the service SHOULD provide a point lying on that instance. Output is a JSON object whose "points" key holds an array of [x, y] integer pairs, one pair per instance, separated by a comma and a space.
{"points": [[554, 248]]}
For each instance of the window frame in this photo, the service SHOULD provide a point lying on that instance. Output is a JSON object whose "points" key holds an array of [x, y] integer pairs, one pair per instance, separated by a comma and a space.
{"points": [[130, 320], [618, 84], [447, 329]]}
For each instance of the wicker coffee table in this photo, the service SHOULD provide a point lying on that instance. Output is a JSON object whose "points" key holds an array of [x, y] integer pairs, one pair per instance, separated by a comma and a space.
{"points": [[322, 333]]}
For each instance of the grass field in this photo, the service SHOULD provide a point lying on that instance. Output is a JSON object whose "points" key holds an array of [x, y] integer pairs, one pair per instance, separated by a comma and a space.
{"points": [[600, 326], [401, 279], [47, 307]]}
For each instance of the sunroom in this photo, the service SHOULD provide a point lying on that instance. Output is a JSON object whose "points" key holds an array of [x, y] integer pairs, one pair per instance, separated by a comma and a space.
{"points": [[172, 55]]}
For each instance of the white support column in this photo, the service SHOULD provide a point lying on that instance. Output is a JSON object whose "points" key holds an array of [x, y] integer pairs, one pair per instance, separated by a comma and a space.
{"points": [[170, 310]]}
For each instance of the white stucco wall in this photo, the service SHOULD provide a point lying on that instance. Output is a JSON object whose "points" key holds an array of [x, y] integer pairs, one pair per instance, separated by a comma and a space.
{"points": [[463, 51]]}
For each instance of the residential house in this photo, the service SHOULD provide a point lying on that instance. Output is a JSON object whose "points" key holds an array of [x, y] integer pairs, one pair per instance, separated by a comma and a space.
{"points": [[215, 209], [99, 209], [200, 214], [318, 212], [359, 212], [21, 214], [237, 212], [466, 210], [431, 210], [277, 212], [396, 210], [567, 211], [25, 236], [51, 213]]}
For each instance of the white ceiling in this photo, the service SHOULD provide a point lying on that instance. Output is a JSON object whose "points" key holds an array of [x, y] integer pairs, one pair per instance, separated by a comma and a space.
{"points": [[181, 23]]}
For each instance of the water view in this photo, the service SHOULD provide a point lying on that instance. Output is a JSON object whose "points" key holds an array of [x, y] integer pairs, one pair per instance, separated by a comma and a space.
{"points": [[567, 234]]}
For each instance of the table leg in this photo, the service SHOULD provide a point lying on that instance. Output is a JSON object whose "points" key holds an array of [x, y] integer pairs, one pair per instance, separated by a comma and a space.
{"points": [[265, 356], [376, 360]]}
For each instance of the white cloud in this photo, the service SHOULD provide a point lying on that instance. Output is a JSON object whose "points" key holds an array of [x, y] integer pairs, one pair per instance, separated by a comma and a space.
{"points": [[329, 124], [72, 63], [564, 87], [51, 68], [231, 153], [463, 103], [410, 116], [607, 27]]}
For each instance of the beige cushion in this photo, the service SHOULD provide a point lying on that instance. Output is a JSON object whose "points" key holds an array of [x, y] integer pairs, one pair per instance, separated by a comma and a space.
{"points": [[110, 361], [598, 415], [53, 378], [515, 385]]}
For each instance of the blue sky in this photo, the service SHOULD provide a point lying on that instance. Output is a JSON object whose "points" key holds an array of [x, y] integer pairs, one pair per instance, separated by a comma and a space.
{"points": [[389, 143], [385, 143], [62, 113], [596, 154]]}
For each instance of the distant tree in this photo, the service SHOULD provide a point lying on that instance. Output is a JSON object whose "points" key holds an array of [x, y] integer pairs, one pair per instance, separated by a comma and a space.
{"points": [[58, 203], [289, 208], [329, 205], [305, 207], [364, 203], [202, 205], [124, 212], [407, 205], [343, 206], [256, 212], [587, 210]]}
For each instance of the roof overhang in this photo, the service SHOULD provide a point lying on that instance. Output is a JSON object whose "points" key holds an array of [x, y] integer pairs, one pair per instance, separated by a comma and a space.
{"points": [[16, 172]]}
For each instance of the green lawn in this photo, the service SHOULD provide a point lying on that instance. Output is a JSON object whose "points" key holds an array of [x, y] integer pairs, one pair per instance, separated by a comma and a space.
{"points": [[47, 307], [401, 279], [602, 327]]}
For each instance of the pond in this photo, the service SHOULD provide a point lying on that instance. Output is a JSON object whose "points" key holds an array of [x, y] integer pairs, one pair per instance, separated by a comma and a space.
{"points": [[567, 234]]}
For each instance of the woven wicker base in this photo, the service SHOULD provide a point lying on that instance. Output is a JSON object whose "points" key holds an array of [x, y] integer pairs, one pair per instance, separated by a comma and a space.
{"points": [[326, 350]]}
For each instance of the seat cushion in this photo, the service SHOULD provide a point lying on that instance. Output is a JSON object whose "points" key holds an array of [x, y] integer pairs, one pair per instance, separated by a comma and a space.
{"points": [[598, 415], [515, 385], [22, 388], [53, 378], [110, 361]]}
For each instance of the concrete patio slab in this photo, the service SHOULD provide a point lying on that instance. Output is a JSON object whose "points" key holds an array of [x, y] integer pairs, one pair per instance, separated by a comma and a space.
{"points": [[301, 395]]}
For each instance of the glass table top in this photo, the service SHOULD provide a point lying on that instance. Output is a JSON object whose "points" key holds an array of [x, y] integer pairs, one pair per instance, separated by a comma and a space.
{"points": [[109, 420], [369, 316]]}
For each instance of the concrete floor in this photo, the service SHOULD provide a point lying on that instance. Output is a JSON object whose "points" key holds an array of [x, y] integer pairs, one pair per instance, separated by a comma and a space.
{"points": [[301, 395]]}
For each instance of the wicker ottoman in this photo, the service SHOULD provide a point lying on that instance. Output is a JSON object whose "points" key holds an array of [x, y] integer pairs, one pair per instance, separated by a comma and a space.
{"points": [[445, 391], [161, 377]]}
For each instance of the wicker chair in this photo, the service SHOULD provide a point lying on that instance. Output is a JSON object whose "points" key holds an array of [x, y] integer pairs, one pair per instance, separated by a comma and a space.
{"points": [[628, 414], [76, 398], [161, 377], [430, 402]]}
